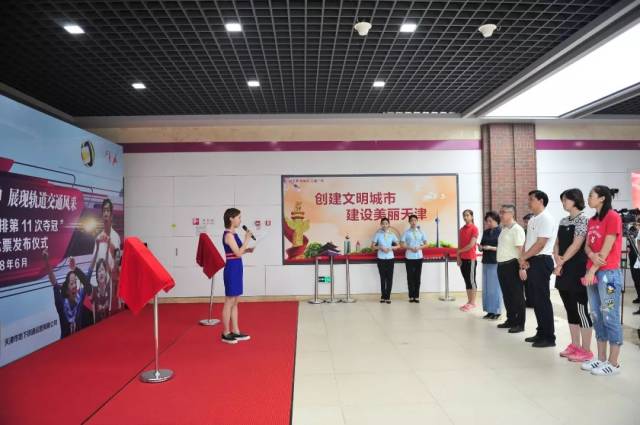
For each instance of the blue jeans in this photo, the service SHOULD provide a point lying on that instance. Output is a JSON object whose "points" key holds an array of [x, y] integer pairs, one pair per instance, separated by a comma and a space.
{"points": [[491, 293], [604, 300]]}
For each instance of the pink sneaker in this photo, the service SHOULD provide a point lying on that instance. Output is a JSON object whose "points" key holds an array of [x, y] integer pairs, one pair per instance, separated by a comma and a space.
{"points": [[580, 355], [467, 307], [571, 348]]}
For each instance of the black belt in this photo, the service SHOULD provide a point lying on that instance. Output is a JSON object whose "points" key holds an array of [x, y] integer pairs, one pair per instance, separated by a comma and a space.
{"points": [[504, 263]]}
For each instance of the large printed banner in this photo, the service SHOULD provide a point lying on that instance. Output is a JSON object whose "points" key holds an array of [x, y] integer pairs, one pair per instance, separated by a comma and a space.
{"points": [[61, 217], [346, 211]]}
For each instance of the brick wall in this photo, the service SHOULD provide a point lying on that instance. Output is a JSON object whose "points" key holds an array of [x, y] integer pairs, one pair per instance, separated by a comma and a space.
{"points": [[508, 165]]}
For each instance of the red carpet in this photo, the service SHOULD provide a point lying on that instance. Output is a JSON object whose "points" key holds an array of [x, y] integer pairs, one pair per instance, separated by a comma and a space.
{"points": [[93, 376]]}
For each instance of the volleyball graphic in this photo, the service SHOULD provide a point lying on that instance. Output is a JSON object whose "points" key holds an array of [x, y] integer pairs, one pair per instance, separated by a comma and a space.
{"points": [[87, 153]]}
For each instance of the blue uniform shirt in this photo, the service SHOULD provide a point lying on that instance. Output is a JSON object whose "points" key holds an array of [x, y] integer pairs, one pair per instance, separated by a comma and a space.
{"points": [[385, 240], [413, 239]]}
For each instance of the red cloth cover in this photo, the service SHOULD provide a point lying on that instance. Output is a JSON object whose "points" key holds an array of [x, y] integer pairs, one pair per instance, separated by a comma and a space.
{"points": [[141, 276], [208, 256]]}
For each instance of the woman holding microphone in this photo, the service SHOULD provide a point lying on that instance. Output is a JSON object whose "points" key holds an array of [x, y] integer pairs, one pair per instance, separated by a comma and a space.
{"points": [[234, 248]]}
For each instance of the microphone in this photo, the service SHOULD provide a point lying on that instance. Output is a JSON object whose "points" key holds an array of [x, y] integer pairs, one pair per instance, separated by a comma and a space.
{"points": [[246, 230]]}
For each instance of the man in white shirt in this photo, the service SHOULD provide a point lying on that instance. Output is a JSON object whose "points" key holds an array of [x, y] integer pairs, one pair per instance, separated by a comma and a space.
{"points": [[536, 266]]}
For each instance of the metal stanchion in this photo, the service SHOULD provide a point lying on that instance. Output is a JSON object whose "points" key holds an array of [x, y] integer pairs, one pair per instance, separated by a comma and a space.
{"points": [[210, 321], [332, 297], [157, 375], [347, 298], [315, 299], [446, 296]]}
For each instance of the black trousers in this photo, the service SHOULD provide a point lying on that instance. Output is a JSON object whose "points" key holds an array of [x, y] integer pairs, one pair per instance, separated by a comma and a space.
{"points": [[414, 271], [385, 267], [635, 273], [576, 303], [468, 270], [539, 274], [528, 295], [512, 292]]}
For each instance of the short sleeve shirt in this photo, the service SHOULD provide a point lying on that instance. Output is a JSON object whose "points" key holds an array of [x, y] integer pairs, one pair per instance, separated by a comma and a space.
{"points": [[541, 226], [385, 240], [598, 230], [413, 238], [510, 243], [468, 232], [490, 237]]}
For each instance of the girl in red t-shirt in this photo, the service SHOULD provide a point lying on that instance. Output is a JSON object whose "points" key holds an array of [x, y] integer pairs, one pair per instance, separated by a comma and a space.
{"points": [[603, 280], [466, 257]]}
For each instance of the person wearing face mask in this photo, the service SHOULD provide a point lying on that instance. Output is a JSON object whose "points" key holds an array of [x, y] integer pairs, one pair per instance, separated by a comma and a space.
{"points": [[413, 240], [385, 242]]}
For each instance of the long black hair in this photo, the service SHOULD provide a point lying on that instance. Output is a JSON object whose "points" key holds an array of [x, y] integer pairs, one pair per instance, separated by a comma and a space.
{"points": [[603, 191]]}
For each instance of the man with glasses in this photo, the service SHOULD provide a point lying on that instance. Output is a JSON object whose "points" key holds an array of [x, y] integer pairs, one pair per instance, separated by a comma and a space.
{"points": [[510, 243]]}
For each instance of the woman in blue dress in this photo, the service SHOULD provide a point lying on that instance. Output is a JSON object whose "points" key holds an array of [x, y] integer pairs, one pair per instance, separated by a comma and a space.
{"points": [[234, 248]]}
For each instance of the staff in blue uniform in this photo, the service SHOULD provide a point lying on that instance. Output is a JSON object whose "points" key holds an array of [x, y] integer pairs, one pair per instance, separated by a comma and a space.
{"points": [[385, 242], [234, 248], [413, 240]]}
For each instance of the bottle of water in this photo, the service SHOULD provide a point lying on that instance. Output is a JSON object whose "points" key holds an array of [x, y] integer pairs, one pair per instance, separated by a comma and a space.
{"points": [[347, 246]]}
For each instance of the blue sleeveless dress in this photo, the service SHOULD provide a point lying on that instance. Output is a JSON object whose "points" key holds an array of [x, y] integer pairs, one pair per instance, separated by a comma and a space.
{"points": [[232, 269]]}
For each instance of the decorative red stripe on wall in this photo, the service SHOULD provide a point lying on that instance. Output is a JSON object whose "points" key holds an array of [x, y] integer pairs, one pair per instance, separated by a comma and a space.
{"points": [[596, 145], [356, 145]]}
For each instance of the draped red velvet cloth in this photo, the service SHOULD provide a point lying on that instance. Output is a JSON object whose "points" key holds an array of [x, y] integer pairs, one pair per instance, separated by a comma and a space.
{"points": [[208, 257], [141, 276]]}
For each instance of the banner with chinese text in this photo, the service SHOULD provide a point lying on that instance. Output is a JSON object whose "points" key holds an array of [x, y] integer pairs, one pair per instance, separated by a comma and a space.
{"points": [[61, 221], [346, 211]]}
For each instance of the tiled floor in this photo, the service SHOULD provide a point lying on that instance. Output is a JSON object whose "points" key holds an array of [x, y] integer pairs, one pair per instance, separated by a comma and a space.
{"points": [[429, 363]]}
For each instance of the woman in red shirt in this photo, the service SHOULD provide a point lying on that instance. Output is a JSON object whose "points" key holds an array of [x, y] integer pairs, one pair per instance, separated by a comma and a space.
{"points": [[604, 281], [466, 257]]}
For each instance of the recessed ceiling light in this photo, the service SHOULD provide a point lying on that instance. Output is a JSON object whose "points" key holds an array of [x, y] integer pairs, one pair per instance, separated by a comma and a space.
{"points": [[408, 27], [138, 86], [233, 27], [253, 83], [74, 29], [378, 84]]}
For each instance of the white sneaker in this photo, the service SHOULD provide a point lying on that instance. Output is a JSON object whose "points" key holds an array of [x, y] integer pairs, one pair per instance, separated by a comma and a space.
{"points": [[590, 365], [606, 369]]}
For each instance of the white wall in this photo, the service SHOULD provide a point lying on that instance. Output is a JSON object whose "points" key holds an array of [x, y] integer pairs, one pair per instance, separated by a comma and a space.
{"points": [[559, 170], [563, 169], [164, 191]]}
